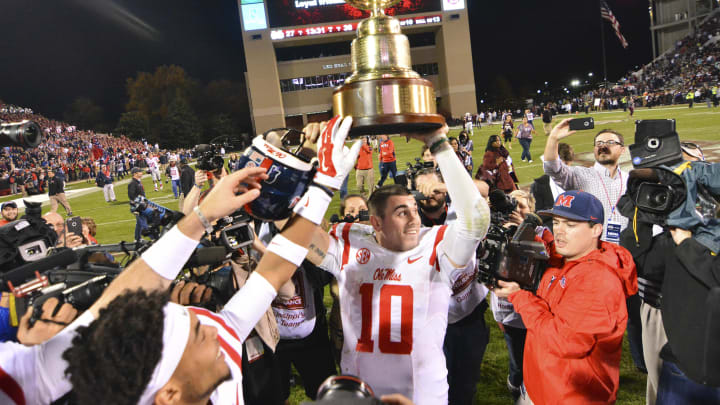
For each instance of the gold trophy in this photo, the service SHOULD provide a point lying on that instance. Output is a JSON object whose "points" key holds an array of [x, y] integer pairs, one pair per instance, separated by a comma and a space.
{"points": [[384, 95]]}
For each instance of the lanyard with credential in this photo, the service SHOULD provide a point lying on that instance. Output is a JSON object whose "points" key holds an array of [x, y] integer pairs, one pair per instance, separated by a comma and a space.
{"points": [[612, 209]]}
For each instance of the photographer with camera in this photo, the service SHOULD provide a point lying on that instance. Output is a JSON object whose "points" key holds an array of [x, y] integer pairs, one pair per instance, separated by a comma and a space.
{"points": [[395, 257], [64, 239], [575, 323]]}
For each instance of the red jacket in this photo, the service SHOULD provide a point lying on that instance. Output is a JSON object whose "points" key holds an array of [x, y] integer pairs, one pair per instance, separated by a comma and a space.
{"points": [[575, 328]]}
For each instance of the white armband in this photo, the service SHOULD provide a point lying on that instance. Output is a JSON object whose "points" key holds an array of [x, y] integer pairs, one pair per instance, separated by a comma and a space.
{"points": [[287, 249], [169, 254]]}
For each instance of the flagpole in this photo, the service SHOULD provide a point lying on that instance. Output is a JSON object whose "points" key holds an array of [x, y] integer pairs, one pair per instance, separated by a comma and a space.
{"points": [[602, 41]]}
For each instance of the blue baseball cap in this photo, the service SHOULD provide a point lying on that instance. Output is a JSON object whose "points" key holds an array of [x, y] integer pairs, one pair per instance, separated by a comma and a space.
{"points": [[578, 206]]}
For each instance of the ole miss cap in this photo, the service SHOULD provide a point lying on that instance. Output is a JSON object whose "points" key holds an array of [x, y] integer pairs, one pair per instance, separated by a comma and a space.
{"points": [[578, 206]]}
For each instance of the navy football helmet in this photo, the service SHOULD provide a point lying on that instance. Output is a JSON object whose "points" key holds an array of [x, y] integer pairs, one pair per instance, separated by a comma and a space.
{"points": [[289, 175]]}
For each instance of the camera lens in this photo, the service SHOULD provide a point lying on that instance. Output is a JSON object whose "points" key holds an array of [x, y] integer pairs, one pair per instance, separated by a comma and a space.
{"points": [[653, 143], [659, 198]]}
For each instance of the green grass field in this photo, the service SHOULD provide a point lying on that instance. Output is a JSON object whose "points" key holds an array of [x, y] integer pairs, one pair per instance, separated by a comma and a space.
{"points": [[115, 223]]}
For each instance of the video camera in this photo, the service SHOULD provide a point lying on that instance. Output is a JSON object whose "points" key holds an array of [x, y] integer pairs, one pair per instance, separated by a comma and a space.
{"points": [[25, 134], [25, 240], [407, 177], [655, 187], [362, 216], [155, 214], [511, 253], [209, 157]]}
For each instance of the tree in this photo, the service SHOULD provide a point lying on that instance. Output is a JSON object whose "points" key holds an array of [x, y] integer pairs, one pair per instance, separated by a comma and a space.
{"points": [[133, 124], [151, 94], [220, 125], [181, 127], [84, 113]]}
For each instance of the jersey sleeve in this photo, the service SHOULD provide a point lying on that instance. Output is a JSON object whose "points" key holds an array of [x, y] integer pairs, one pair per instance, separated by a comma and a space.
{"points": [[332, 262], [248, 305]]}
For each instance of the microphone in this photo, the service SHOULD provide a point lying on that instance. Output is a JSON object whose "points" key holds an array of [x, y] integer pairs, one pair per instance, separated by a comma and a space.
{"points": [[27, 271]]}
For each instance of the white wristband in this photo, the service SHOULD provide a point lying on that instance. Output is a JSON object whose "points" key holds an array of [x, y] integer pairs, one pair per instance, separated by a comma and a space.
{"points": [[287, 249], [169, 254], [313, 205]]}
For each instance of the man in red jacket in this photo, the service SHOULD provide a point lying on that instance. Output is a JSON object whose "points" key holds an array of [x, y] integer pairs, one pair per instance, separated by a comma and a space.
{"points": [[576, 321]]}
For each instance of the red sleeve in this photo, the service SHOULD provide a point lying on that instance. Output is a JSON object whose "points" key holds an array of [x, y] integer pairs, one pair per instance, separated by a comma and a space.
{"points": [[571, 329]]}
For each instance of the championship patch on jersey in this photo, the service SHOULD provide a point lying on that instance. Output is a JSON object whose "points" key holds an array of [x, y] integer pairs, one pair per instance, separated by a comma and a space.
{"points": [[362, 256]]}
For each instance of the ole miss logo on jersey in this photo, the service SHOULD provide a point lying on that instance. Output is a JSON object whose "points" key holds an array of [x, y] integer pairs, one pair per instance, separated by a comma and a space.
{"points": [[363, 256]]}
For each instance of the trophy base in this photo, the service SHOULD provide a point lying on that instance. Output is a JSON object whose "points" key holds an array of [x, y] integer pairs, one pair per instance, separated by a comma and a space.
{"points": [[388, 106], [395, 124]]}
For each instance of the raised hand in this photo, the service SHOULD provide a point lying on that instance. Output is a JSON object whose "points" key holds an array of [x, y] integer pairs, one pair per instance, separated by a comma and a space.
{"points": [[334, 158]]}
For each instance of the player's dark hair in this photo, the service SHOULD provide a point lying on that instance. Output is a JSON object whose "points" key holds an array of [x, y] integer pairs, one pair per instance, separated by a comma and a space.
{"points": [[112, 360], [610, 131], [378, 199], [342, 202]]}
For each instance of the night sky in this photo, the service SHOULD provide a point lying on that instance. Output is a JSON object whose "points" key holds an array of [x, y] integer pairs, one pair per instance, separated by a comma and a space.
{"points": [[54, 51]]}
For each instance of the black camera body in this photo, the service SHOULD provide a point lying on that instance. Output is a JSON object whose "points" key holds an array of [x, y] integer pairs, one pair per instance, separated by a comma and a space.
{"points": [[25, 134], [25, 240], [362, 216], [345, 390], [656, 143], [407, 177], [512, 254], [209, 157]]}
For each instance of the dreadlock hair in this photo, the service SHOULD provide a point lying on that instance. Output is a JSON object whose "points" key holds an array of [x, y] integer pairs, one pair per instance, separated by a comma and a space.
{"points": [[112, 360]]}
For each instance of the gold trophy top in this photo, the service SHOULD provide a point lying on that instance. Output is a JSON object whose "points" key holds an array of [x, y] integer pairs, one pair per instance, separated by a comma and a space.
{"points": [[377, 7]]}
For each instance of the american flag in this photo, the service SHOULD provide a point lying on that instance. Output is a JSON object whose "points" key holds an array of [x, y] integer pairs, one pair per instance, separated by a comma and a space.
{"points": [[607, 14]]}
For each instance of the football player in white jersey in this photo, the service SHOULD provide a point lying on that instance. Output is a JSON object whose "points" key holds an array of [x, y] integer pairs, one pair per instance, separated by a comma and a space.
{"points": [[395, 281], [144, 350], [154, 166]]}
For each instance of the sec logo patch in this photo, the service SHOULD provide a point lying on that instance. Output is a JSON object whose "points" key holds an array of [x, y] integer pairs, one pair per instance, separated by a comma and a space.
{"points": [[362, 256]]}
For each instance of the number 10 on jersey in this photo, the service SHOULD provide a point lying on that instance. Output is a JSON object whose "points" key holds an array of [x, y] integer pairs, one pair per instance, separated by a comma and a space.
{"points": [[405, 295]]}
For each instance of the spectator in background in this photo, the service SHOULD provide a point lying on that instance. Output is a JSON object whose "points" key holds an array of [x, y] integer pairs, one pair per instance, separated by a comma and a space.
{"points": [[426, 156], [9, 212], [507, 130], [56, 193], [495, 169], [467, 145], [547, 119], [387, 159], [104, 179], [136, 189], [364, 173], [173, 172], [69, 240], [187, 180], [89, 231], [459, 151], [524, 135]]}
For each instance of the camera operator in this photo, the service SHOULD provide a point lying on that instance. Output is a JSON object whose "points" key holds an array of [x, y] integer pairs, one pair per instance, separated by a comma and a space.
{"points": [[696, 272], [575, 323], [136, 189], [433, 208], [395, 257], [9, 212]]}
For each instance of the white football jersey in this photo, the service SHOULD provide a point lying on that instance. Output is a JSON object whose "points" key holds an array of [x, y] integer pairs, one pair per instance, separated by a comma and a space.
{"points": [[394, 308], [36, 374]]}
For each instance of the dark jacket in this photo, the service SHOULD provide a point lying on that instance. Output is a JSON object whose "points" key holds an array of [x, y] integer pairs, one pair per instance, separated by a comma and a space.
{"points": [[103, 179], [187, 179], [135, 188], [55, 186]]}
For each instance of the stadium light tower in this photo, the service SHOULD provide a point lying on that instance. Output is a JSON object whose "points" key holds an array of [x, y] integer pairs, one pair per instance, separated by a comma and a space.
{"points": [[575, 82], [590, 74]]}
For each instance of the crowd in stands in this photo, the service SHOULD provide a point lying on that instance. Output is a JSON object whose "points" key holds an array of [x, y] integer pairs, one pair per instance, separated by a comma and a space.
{"points": [[72, 153]]}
